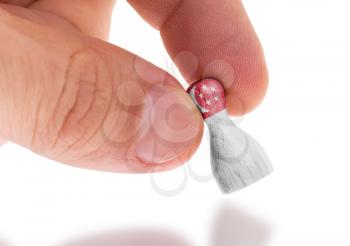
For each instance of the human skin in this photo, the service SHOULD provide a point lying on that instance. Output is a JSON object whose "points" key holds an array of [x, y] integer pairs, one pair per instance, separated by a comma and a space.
{"points": [[69, 95]]}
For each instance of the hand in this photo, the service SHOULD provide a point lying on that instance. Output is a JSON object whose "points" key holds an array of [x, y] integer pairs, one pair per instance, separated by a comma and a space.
{"points": [[67, 94]]}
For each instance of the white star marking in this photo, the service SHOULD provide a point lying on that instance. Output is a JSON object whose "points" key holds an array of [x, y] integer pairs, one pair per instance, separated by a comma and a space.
{"points": [[204, 87], [216, 98], [208, 102], [201, 95], [213, 89]]}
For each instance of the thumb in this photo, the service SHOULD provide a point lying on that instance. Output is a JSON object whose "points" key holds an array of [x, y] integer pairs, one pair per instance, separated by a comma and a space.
{"points": [[84, 102]]}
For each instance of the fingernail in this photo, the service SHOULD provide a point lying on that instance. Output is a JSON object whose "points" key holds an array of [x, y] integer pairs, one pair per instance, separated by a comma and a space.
{"points": [[173, 128]]}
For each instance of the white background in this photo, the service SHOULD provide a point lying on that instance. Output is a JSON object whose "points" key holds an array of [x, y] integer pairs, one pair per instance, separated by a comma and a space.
{"points": [[303, 124]]}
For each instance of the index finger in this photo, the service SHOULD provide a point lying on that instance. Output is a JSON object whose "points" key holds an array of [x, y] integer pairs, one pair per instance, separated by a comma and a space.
{"points": [[212, 39]]}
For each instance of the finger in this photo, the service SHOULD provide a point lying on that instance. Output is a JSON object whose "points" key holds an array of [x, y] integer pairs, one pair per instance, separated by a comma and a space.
{"points": [[2, 141], [87, 103], [23, 3], [212, 39], [92, 17]]}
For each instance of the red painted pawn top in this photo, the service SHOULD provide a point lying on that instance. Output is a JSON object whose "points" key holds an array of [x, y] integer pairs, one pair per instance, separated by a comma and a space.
{"points": [[209, 96]]}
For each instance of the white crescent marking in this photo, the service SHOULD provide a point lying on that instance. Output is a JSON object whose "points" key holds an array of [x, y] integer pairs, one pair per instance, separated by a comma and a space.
{"points": [[203, 110]]}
